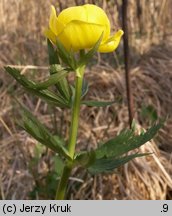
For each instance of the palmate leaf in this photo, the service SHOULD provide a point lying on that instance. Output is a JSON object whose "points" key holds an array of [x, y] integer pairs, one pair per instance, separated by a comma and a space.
{"points": [[126, 141], [105, 165], [30, 86], [112, 154], [37, 130]]}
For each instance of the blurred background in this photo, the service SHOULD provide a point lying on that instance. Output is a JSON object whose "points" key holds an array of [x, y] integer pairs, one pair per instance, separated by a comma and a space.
{"points": [[28, 170]]}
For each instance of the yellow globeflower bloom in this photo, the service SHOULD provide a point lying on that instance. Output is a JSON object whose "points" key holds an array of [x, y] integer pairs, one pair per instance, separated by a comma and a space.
{"points": [[80, 27]]}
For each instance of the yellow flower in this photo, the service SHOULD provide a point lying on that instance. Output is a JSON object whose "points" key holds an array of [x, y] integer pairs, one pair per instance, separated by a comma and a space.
{"points": [[80, 27]]}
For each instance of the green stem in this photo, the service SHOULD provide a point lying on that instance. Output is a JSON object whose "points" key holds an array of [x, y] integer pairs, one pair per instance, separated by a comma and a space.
{"points": [[75, 113], [73, 134], [61, 190]]}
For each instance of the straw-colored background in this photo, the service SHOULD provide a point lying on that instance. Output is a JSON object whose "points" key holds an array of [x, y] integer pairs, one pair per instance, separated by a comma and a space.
{"points": [[22, 44]]}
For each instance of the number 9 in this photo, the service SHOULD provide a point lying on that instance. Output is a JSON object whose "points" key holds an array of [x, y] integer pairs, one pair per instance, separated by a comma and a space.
{"points": [[165, 208]]}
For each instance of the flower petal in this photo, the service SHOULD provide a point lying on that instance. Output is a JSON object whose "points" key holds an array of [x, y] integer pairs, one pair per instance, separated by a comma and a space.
{"points": [[72, 13], [112, 43], [55, 26], [88, 13], [50, 35], [96, 15], [79, 35]]}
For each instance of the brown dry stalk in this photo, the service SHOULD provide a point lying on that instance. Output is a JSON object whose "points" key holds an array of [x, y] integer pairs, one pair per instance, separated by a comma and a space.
{"points": [[127, 62]]}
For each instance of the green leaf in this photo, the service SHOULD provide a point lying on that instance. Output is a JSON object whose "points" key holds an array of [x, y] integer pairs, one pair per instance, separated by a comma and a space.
{"points": [[58, 165], [37, 130], [84, 158], [64, 89], [62, 86], [56, 68], [53, 79], [38, 151], [20, 78], [126, 141], [58, 139], [92, 103], [53, 54], [105, 165], [149, 112], [30, 86], [84, 88], [67, 57], [86, 57], [52, 98]]}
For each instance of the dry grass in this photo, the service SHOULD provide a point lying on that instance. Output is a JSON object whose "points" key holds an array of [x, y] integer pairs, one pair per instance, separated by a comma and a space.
{"points": [[22, 43]]}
